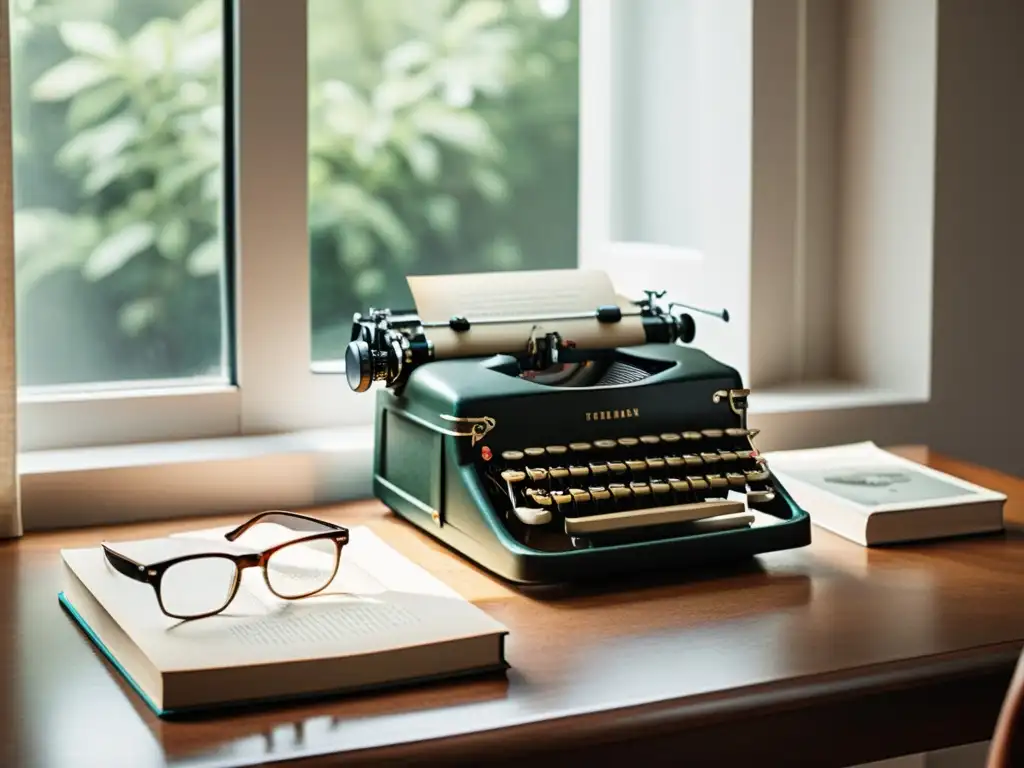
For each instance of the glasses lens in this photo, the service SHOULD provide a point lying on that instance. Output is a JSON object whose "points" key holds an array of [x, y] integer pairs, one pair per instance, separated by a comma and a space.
{"points": [[198, 586], [303, 567]]}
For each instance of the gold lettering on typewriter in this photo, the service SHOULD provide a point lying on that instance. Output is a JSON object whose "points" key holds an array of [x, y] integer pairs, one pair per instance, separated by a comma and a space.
{"points": [[613, 415]]}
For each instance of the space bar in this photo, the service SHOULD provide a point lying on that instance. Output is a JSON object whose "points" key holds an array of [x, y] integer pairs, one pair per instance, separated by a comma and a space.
{"points": [[639, 518]]}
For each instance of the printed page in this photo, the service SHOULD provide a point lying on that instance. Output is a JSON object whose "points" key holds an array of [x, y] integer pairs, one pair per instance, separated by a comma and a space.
{"points": [[538, 293]]}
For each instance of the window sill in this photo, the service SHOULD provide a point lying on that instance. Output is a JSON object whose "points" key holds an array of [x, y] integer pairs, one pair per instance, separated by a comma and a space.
{"points": [[827, 396], [127, 483]]}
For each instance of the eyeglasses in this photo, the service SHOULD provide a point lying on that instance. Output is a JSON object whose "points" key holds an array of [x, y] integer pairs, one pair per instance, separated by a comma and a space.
{"points": [[203, 584]]}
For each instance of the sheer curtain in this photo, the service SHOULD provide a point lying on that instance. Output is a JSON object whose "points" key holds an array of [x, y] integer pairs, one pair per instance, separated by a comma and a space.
{"points": [[10, 513]]}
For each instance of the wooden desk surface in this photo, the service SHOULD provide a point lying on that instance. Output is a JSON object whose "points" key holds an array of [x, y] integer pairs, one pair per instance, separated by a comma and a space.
{"points": [[828, 655]]}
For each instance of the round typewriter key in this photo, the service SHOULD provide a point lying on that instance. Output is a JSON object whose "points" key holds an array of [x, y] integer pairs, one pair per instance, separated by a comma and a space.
{"points": [[533, 451], [512, 455], [713, 433], [485, 453], [710, 458], [670, 437], [605, 444], [628, 442], [513, 476], [736, 432], [650, 439], [735, 478], [756, 477], [579, 447], [691, 435], [556, 450]]}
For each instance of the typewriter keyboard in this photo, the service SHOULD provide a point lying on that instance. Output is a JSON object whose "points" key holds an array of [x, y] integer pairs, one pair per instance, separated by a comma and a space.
{"points": [[603, 489]]}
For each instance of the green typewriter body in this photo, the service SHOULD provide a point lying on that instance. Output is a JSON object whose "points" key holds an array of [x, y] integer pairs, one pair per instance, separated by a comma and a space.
{"points": [[638, 458]]}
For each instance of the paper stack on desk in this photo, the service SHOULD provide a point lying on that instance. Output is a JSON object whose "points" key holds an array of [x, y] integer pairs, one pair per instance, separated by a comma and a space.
{"points": [[872, 496]]}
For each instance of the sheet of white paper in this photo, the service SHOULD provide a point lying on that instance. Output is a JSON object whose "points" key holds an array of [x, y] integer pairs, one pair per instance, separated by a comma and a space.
{"points": [[536, 293]]}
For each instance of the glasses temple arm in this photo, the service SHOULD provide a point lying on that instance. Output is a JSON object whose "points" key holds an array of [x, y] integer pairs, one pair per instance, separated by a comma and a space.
{"points": [[126, 566]]}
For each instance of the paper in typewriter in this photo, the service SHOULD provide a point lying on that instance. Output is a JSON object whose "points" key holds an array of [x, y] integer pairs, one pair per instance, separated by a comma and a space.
{"points": [[537, 293]]}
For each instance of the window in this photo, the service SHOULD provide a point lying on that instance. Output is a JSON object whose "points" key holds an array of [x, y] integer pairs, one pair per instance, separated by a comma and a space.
{"points": [[197, 220], [118, 178], [443, 137]]}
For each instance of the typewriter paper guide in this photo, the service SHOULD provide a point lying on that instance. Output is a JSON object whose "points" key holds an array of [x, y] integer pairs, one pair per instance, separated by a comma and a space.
{"points": [[536, 293]]}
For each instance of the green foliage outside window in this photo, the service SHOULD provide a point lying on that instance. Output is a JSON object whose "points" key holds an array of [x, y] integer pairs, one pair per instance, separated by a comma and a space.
{"points": [[443, 137]]}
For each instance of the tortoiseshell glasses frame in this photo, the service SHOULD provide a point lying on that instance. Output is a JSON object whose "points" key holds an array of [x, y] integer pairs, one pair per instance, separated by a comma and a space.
{"points": [[321, 530]]}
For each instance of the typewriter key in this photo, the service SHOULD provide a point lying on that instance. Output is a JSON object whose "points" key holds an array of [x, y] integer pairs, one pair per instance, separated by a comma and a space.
{"points": [[756, 476], [628, 442], [735, 478], [579, 447], [512, 456], [617, 467], [604, 444], [692, 460], [533, 452], [697, 483], [679, 486], [670, 437], [650, 439], [717, 482], [712, 433], [691, 436], [660, 490], [556, 450], [636, 465]]}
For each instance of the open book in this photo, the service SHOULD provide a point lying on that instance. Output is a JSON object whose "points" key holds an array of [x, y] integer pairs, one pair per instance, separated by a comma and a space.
{"points": [[381, 622], [872, 496]]}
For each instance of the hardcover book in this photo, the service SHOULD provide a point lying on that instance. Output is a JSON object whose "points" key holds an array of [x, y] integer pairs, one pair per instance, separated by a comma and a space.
{"points": [[383, 621], [872, 496]]}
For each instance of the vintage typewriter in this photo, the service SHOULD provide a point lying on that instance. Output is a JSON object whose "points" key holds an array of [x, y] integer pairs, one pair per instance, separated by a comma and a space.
{"points": [[546, 460]]}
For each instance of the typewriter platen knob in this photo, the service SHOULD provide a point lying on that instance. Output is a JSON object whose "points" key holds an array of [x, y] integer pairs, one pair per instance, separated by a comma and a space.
{"points": [[359, 366]]}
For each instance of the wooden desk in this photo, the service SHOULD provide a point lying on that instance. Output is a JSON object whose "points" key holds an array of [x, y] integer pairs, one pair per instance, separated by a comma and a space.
{"points": [[828, 655]]}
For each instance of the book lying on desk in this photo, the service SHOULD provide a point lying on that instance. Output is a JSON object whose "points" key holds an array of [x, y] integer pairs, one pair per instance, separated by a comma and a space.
{"points": [[872, 496], [382, 621]]}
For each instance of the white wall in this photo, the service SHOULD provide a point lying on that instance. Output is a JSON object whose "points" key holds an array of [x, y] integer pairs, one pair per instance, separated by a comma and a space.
{"points": [[977, 353]]}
